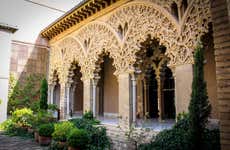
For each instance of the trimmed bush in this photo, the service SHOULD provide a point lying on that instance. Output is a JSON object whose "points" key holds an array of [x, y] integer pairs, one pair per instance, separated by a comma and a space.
{"points": [[43, 95], [61, 130], [78, 138], [199, 107], [46, 130]]}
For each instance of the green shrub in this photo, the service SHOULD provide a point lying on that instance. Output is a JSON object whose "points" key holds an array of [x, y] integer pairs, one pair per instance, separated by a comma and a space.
{"points": [[46, 130], [20, 120], [88, 115], [98, 140], [12, 129], [211, 139], [52, 107], [172, 139], [199, 107], [43, 95], [35, 106], [56, 146], [22, 117], [84, 123], [42, 117], [182, 122], [61, 130], [78, 138], [24, 92]]}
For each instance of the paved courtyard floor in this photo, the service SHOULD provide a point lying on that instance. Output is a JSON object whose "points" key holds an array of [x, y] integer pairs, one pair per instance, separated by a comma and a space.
{"points": [[18, 143]]}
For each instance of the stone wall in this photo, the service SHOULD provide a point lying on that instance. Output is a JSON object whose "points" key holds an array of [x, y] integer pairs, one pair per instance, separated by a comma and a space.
{"points": [[124, 139], [221, 28]]}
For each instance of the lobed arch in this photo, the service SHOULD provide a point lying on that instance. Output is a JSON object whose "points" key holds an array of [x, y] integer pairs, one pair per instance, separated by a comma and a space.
{"points": [[55, 65], [195, 22], [143, 19], [70, 51], [71, 68], [97, 38]]}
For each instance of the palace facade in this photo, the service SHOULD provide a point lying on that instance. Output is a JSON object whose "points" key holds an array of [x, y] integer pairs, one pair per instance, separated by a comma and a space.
{"points": [[128, 60]]}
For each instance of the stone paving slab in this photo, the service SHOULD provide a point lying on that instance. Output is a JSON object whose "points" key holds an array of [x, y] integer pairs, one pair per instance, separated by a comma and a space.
{"points": [[18, 143]]}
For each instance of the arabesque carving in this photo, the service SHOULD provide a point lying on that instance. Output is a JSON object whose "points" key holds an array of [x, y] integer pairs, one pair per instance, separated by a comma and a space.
{"points": [[122, 31]]}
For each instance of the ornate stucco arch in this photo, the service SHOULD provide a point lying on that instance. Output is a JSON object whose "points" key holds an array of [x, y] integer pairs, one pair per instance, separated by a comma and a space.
{"points": [[71, 51], [97, 38], [195, 23], [55, 65], [137, 20]]}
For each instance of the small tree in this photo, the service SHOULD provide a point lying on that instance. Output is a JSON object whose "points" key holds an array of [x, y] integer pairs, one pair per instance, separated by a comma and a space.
{"points": [[199, 107], [43, 95]]}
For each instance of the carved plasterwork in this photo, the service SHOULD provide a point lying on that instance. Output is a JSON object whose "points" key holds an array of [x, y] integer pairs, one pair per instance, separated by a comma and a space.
{"points": [[97, 38], [122, 31]]}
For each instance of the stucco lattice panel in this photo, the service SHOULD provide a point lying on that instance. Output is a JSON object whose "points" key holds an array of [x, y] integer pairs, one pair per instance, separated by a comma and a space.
{"points": [[55, 64], [194, 25], [71, 51], [144, 20], [97, 38], [122, 32]]}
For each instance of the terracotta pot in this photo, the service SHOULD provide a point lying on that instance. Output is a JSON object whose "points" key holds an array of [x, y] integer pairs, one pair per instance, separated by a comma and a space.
{"points": [[43, 140], [36, 135], [73, 148], [30, 130]]}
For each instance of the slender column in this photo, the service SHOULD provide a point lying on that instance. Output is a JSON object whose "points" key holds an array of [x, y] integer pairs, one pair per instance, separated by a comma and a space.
{"points": [[87, 95], [134, 96], [94, 94], [62, 100], [72, 92], [52, 94], [67, 100], [146, 94], [159, 96]]}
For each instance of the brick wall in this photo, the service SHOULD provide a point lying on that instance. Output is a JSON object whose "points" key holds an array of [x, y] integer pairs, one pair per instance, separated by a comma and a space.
{"points": [[28, 59], [221, 27]]}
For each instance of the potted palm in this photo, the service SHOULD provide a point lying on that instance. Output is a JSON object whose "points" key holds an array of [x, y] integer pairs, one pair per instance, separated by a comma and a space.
{"points": [[77, 139], [45, 133]]}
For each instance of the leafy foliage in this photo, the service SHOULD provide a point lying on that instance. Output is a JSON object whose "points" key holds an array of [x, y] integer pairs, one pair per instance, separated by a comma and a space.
{"points": [[78, 138], [22, 117], [23, 93], [88, 115], [43, 95], [20, 120], [52, 107], [42, 117], [46, 130], [98, 139], [61, 130], [199, 107]]}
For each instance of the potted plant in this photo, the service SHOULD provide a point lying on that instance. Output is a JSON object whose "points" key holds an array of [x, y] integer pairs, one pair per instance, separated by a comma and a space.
{"points": [[45, 133], [77, 139], [61, 130]]}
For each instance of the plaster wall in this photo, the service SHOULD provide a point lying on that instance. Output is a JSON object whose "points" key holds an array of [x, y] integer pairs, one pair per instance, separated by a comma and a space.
{"points": [[5, 42], [110, 88], [183, 87], [210, 78]]}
